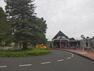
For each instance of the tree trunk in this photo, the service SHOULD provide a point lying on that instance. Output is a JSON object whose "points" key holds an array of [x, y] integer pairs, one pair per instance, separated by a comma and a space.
{"points": [[25, 45]]}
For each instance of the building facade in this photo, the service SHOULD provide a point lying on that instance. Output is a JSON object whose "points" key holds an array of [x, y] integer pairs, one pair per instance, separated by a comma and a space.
{"points": [[60, 40]]}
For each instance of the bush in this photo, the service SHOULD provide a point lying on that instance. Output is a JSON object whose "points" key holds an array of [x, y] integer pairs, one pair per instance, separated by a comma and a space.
{"points": [[23, 53], [41, 46]]}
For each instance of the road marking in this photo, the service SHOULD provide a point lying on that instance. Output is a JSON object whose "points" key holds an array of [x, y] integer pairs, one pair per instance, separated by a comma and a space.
{"points": [[72, 55], [60, 60], [3, 66], [45, 62], [69, 58], [68, 52], [25, 65]]}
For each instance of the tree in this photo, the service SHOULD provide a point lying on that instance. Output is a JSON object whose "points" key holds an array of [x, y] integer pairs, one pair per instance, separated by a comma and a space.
{"points": [[39, 31], [19, 12], [4, 26], [25, 27]]}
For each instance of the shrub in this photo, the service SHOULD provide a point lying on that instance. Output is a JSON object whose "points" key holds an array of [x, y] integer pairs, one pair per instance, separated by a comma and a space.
{"points": [[41, 46], [23, 53]]}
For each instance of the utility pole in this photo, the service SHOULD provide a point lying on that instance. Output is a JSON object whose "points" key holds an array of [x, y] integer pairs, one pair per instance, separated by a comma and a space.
{"points": [[60, 43]]}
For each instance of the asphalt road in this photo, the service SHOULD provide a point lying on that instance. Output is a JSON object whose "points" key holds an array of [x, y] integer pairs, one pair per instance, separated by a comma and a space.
{"points": [[56, 61]]}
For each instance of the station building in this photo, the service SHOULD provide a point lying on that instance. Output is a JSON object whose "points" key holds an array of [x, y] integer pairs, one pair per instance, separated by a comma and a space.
{"points": [[61, 40]]}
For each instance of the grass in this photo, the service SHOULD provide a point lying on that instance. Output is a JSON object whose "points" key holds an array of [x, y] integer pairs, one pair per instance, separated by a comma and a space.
{"points": [[24, 53]]}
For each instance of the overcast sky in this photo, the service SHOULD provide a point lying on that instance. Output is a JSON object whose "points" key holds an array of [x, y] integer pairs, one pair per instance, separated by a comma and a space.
{"points": [[73, 17]]}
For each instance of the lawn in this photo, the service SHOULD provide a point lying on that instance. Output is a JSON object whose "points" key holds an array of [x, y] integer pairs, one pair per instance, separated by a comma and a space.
{"points": [[24, 53]]}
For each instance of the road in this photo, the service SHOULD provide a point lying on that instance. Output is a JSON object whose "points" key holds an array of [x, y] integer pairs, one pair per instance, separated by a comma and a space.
{"points": [[56, 61]]}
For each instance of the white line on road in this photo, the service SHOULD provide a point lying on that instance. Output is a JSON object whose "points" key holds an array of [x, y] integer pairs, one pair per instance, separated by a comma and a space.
{"points": [[69, 58], [72, 55], [60, 60], [3, 66], [45, 62], [67, 52], [25, 65]]}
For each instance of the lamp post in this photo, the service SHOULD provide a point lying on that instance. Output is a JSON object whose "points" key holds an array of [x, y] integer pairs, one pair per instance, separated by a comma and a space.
{"points": [[88, 43], [84, 42], [51, 44], [60, 43]]}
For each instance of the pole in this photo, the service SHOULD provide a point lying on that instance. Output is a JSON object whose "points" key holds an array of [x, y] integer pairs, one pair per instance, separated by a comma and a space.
{"points": [[60, 43]]}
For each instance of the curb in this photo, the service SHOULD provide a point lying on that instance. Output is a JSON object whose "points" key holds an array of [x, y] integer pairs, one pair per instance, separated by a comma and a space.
{"points": [[80, 55]]}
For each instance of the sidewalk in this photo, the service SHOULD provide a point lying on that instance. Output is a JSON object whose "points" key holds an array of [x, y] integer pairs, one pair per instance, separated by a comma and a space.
{"points": [[87, 54]]}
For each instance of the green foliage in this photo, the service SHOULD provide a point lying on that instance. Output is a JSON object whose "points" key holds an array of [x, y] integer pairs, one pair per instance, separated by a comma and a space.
{"points": [[19, 9], [24, 53], [25, 26], [4, 26], [38, 31], [19, 12]]}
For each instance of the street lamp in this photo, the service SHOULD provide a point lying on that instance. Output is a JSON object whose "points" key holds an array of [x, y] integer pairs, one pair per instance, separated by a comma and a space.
{"points": [[84, 41], [60, 43]]}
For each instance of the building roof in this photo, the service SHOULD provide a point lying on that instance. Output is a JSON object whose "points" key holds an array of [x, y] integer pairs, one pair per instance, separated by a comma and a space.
{"points": [[60, 34]]}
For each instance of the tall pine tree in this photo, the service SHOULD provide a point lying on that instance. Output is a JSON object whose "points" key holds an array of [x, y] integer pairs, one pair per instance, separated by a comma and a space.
{"points": [[25, 27], [4, 27], [39, 30]]}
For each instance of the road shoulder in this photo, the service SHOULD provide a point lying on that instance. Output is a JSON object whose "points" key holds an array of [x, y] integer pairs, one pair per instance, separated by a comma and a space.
{"points": [[87, 54]]}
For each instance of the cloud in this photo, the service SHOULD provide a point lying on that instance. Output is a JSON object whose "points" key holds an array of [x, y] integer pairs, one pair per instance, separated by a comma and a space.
{"points": [[2, 4], [73, 17]]}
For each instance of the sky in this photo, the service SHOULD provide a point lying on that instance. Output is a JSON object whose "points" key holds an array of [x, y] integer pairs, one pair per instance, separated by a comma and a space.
{"points": [[72, 17]]}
